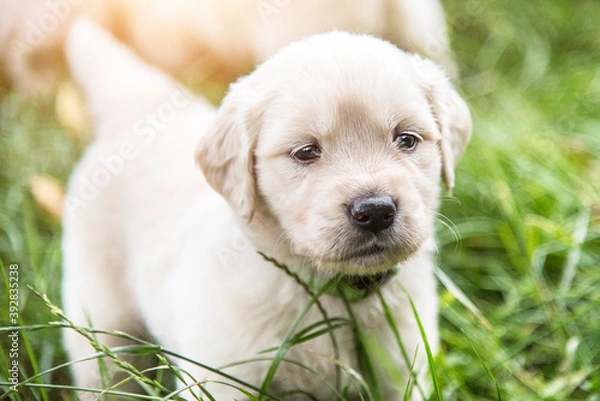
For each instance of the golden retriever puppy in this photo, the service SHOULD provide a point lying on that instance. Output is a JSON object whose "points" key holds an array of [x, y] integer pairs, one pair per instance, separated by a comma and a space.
{"points": [[199, 38], [327, 158]]}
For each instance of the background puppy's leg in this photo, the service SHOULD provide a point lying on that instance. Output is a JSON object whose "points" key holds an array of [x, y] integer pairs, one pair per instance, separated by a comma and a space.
{"points": [[420, 27]]}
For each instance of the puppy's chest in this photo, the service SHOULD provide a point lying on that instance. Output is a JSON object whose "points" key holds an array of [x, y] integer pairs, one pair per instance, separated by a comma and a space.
{"points": [[319, 367]]}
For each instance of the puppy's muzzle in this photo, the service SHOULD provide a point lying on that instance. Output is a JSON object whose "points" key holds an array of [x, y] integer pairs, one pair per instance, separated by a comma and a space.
{"points": [[372, 213]]}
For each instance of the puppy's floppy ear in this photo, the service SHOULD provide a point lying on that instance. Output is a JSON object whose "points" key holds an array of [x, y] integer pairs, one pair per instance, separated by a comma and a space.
{"points": [[451, 113], [226, 151]]}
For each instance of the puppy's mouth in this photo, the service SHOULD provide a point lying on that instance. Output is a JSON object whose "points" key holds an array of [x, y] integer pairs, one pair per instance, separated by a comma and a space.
{"points": [[364, 255], [369, 252], [371, 259]]}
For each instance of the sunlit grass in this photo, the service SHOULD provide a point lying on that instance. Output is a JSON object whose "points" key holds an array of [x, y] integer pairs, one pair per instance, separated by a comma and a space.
{"points": [[520, 305]]}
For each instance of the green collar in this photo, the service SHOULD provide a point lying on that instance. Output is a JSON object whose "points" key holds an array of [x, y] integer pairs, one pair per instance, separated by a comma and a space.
{"points": [[348, 287]]}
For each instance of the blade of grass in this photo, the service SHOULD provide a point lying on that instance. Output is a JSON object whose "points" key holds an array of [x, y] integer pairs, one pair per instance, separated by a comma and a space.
{"points": [[430, 358], [287, 341], [367, 367], [462, 298], [579, 234], [394, 327], [489, 372], [314, 297]]}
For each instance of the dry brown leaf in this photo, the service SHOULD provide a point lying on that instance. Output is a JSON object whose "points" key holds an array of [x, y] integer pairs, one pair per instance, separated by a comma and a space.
{"points": [[48, 193], [71, 111]]}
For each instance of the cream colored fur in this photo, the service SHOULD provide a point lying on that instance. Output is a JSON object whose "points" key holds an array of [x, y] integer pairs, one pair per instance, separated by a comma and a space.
{"points": [[151, 245], [218, 38]]}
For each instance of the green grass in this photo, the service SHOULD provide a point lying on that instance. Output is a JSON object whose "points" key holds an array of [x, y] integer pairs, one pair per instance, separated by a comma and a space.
{"points": [[522, 321]]}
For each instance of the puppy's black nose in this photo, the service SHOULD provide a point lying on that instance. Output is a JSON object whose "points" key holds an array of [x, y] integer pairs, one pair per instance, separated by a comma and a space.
{"points": [[373, 213]]}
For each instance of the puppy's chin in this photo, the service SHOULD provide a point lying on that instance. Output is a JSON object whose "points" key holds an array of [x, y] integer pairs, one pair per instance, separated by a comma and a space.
{"points": [[371, 260]]}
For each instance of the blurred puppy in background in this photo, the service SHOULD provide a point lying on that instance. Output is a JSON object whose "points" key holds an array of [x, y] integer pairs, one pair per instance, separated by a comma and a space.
{"points": [[327, 157], [193, 39]]}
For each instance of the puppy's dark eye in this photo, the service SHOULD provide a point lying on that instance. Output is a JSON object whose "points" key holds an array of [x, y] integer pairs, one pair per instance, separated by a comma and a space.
{"points": [[307, 154], [406, 140]]}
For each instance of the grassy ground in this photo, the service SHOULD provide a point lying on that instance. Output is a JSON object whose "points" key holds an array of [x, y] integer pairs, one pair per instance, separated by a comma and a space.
{"points": [[524, 323]]}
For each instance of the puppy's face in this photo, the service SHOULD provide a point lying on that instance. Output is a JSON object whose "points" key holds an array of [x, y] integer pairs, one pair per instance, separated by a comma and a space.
{"points": [[351, 174], [340, 141]]}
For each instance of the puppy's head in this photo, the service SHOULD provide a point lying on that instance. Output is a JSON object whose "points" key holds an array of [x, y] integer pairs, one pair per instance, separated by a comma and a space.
{"points": [[340, 141]]}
